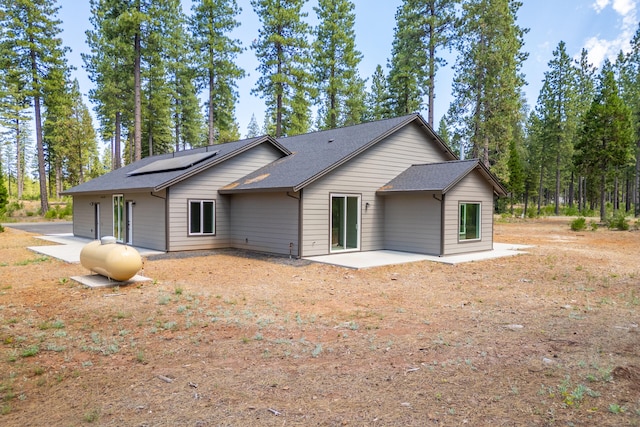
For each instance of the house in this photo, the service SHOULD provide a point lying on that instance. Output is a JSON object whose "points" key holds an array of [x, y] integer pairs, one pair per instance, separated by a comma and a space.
{"points": [[390, 184]]}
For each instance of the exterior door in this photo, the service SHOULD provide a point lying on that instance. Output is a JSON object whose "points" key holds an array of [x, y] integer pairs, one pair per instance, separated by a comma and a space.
{"points": [[129, 222], [96, 220], [345, 219], [118, 217]]}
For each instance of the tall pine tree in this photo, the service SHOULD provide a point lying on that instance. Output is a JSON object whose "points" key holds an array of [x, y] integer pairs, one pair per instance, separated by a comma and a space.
{"points": [[559, 113], [335, 65], [606, 137], [377, 98], [15, 120], [423, 28], [215, 54], [282, 49], [630, 88], [488, 80], [32, 49]]}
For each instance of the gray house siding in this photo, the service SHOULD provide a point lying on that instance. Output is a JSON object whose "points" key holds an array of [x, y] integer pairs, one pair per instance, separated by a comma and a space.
{"points": [[148, 217], [84, 218], [362, 176], [204, 186], [265, 222], [412, 223], [473, 188]]}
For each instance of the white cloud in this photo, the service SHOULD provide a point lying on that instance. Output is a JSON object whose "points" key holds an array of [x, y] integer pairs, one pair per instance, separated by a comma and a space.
{"points": [[598, 49], [601, 49], [624, 7], [599, 5]]}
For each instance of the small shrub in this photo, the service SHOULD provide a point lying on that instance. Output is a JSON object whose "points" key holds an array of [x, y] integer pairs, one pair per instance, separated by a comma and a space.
{"points": [[52, 213], [618, 221], [92, 416], [579, 224], [532, 212], [570, 211], [614, 408], [66, 211], [30, 351]]}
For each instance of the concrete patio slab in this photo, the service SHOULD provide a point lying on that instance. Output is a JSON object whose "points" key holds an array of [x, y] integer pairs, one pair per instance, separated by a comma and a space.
{"points": [[98, 281], [69, 246], [368, 259]]}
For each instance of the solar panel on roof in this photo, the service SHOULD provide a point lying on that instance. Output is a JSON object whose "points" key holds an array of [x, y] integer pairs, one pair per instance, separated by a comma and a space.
{"points": [[173, 163]]}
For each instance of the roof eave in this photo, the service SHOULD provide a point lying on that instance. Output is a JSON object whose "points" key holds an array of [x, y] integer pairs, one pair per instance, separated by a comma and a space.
{"points": [[357, 152], [217, 160], [256, 190], [411, 191]]}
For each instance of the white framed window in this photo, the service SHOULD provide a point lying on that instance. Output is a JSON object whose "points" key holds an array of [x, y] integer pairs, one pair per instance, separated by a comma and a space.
{"points": [[469, 215], [202, 217]]}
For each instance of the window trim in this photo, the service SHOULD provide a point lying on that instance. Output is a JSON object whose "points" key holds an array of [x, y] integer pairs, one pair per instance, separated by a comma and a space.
{"points": [[201, 202], [462, 204], [118, 217], [345, 196]]}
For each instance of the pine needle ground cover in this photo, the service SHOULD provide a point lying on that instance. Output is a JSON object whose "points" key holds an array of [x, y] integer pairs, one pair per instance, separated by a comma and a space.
{"points": [[545, 338]]}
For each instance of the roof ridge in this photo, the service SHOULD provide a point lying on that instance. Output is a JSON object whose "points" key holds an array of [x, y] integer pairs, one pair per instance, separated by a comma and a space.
{"points": [[398, 118], [446, 162]]}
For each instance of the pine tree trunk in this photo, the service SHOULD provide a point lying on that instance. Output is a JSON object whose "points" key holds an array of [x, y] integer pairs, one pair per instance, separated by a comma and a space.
{"points": [[557, 195], [571, 190], [42, 174], [603, 211], [58, 176], [636, 191], [279, 90], [19, 175], [211, 118], [540, 189], [137, 99], [117, 156], [432, 67]]}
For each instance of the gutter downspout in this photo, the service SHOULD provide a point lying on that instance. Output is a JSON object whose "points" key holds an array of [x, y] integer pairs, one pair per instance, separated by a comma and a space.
{"points": [[166, 221], [441, 223], [300, 205], [299, 199], [166, 216]]}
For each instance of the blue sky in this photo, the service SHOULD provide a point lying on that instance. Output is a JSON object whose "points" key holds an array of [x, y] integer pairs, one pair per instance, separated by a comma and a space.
{"points": [[603, 27]]}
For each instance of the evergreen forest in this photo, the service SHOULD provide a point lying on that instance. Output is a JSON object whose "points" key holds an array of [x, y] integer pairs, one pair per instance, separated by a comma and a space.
{"points": [[166, 80]]}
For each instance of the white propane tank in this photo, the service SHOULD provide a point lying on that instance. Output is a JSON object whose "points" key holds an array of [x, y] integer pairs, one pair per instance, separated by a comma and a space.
{"points": [[105, 257]]}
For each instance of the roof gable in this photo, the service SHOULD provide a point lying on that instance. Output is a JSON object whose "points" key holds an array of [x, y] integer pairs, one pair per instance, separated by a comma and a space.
{"points": [[318, 153], [156, 173], [438, 177]]}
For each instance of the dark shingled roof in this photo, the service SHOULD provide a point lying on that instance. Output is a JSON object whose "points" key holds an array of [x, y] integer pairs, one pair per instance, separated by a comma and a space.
{"points": [[438, 177], [133, 177], [315, 154]]}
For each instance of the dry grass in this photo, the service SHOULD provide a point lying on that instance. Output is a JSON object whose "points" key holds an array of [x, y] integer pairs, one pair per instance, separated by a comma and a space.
{"points": [[548, 338]]}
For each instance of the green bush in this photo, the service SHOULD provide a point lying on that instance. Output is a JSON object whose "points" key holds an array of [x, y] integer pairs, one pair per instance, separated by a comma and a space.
{"points": [[570, 211], [66, 211], [579, 224], [618, 221], [532, 212], [52, 213]]}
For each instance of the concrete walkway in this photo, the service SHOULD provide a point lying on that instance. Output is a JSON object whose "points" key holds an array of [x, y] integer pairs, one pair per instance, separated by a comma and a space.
{"points": [[368, 259], [68, 249], [69, 246]]}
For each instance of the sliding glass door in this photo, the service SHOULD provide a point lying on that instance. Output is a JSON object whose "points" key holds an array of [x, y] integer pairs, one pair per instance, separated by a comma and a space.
{"points": [[345, 227], [118, 217]]}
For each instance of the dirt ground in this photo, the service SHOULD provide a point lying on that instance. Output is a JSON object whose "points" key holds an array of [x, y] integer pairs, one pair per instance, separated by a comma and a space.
{"points": [[545, 338]]}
